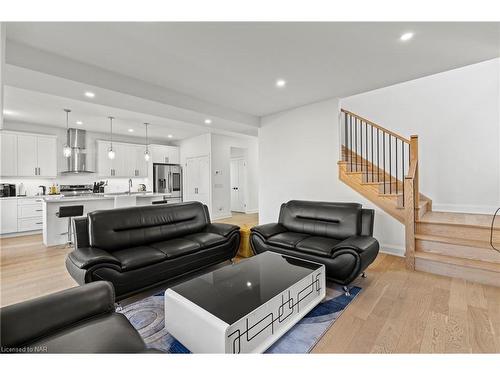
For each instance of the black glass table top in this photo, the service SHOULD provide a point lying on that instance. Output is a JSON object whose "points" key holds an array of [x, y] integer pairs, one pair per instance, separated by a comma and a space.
{"points": [[233, 291]]}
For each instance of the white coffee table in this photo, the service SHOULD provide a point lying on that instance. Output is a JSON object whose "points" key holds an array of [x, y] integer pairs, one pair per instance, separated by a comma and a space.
{"points": [[243, 307]]}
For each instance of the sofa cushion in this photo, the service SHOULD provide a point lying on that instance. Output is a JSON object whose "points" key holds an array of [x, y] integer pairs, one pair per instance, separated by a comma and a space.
{"points": [[324, 219], [137, 257], [287, 240], [321, 246], [206, 239], [121, 228], [177, 247], [111, 333]]}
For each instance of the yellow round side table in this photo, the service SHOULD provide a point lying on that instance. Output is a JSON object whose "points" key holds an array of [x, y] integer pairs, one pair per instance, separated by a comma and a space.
{"points": [[245, 251]]}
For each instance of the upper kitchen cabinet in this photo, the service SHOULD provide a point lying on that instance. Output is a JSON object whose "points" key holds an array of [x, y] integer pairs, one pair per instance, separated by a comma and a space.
{"points": [[128, 162], [165, 154], [8, 150], [28, 155]]}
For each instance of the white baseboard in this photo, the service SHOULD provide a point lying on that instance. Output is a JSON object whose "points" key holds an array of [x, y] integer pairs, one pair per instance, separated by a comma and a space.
{"points": [[396, 250], [19, 234], [222, 215], [252, 211], [464, 208]]}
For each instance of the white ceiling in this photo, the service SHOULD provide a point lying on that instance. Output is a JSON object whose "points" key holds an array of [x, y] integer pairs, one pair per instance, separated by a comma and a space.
{"points": [[235, 65], [40, 108]]}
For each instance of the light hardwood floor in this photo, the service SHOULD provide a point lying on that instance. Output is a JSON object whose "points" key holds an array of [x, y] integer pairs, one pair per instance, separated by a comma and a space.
{"points": [[398, 311]]}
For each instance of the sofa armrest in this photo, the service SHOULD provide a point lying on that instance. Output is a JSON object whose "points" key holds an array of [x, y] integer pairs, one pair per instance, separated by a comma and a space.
{"points": [[85, 257], [268, 230], [25, 322], [221, 229], [357, 243]]}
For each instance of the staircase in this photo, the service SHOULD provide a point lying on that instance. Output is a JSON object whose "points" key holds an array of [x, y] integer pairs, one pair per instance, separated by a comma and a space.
{"points": [[383, 167]]}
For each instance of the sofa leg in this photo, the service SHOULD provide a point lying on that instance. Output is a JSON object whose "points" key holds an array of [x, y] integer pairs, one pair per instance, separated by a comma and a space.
{"points": [[346, 291], [363, 275]]}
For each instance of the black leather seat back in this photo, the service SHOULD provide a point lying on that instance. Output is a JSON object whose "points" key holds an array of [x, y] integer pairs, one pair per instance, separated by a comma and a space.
{"points": [[135, 226], [326, 219]]}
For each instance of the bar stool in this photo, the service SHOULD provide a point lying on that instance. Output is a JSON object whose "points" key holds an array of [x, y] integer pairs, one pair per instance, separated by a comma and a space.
{"points": [[69, 212]]}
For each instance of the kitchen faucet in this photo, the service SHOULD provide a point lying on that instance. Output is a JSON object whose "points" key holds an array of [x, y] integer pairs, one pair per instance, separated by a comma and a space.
{"points": [[129, 185]]}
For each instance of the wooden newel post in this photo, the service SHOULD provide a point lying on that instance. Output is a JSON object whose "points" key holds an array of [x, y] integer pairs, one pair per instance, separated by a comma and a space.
{"points": [[409, 223], [414, 159]]}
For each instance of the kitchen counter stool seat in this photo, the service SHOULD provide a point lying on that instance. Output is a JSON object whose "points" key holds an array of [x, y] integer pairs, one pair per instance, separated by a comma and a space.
{"points": [[69, 212]]}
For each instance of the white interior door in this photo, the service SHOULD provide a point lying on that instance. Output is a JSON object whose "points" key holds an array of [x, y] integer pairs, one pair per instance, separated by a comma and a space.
{"points": [[197, 180], [237, 173]]}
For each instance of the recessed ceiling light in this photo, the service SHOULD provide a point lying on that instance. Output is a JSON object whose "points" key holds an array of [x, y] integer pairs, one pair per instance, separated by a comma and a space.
{"points": [[406, 36], [280, 83], [89, 94], [79, 122], [8, 112], [170, 136], [208, 121], [131, 130]]}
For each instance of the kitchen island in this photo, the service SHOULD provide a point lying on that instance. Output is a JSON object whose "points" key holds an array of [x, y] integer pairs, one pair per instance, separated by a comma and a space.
{"points": [[55, 229]]}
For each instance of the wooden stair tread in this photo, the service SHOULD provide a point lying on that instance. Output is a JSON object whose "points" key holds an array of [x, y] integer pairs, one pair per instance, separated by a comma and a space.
{"points": [[455, 241], [471, 263], [460, 219]]}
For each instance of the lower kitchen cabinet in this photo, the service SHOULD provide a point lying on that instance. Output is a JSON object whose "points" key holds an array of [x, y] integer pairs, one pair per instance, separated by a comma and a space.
{"points": [[8, 217]]}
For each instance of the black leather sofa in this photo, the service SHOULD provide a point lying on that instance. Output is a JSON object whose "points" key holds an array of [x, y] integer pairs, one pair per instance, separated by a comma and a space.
{"points": [[76, 320], [136, 248], [338, 235]]}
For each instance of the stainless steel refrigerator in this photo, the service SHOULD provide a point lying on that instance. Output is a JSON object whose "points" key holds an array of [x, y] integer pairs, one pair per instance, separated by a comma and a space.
{"points": [[167, 179]]}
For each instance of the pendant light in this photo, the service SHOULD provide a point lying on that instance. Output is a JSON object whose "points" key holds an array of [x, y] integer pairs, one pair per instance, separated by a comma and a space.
{"points": [[111, 152], [146, 153], [66, 148]]}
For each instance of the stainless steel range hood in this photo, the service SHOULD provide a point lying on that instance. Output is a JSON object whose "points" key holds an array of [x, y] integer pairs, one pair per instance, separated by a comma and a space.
{"points": [[77, 162]]}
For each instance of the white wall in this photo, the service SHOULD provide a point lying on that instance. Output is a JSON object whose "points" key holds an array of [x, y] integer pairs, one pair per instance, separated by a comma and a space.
{"points": [[456, 116], [2, 68], [298, 154], [221, 178]]}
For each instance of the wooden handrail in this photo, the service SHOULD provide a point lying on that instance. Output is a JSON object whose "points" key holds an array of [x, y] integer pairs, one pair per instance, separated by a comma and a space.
{"points": [[376, 126]]}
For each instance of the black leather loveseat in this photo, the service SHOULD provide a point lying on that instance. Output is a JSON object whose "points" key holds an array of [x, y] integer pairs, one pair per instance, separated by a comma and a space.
{"points": [[76, 320], [338, 235], [136, 248]]}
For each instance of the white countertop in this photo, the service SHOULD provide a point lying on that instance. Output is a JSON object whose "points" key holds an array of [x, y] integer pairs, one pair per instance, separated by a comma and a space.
{"points": [[101, 196]]}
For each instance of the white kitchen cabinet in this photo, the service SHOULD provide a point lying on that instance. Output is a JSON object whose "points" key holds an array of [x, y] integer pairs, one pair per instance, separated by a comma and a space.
{"points": [[46, 148], [8, 149], [26, 155], [128, 162], [29, 214], [8, 215], [36, 155], [165, 154]]}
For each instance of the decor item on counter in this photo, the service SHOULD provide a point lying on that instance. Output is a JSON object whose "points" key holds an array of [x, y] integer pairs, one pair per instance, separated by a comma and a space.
{"points": [[146, 153], [54, 189], [21, 191], [142, 187], [66, 148], [111, 152], [43, 190]]}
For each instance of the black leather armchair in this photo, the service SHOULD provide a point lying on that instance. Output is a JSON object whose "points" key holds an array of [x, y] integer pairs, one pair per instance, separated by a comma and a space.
{"points": [[338, 235], [76, 320], [137, 248]]}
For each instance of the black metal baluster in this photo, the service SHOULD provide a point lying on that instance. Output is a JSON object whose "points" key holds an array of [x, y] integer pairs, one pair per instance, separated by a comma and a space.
{"points": [[378, 149], [350, 140], [372, 150], [390, 165], [403, 168], [396, 165], [344, 151], [383, 149], [366, 149], [356, 140]]}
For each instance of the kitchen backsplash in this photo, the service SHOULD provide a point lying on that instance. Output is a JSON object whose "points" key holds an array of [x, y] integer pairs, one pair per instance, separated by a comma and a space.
{"points": [[31, 185]]}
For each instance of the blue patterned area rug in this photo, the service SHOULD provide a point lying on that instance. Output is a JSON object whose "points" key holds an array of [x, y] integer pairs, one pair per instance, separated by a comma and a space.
{"points": [[147, 316]]}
